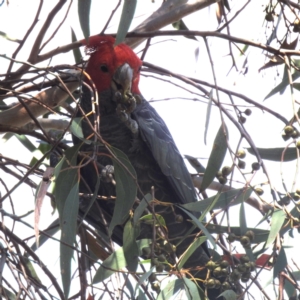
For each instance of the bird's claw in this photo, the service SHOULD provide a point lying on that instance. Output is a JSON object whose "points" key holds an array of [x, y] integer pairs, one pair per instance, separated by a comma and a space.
{"points": [[126, 105], [107, 173]]}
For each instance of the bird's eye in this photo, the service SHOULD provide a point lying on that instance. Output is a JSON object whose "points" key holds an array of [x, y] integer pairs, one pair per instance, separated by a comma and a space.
{"points": [[104, 68]]}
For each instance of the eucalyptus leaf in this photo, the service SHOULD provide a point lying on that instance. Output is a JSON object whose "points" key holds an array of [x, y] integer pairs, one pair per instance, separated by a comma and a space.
{"points": [[278, 218], [84, 7], [126, 188], [67, 200], [275, 154], [116, 261], [130, 247], [126, 19], [216, 158]]}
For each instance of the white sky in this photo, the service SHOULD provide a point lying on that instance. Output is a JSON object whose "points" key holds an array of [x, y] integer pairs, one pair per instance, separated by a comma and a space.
{"points": [[186, 119]]}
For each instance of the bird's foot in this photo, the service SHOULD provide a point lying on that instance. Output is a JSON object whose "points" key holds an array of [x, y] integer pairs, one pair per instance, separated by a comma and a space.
{"points": [[126, 105], [107, 173]]}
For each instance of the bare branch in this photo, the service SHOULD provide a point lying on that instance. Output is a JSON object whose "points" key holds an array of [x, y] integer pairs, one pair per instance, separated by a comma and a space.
{"points": [[53, 97]]}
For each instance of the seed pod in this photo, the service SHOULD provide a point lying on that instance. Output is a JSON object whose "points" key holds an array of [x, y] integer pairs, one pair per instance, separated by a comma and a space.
{"points": [[210, 283], [224, 264], [219, 174], [244, 259], [222, 180], [226, 171], [248, 266], [217, 284], [259, 191], [231, 237], [296, 196], [224, 272], [154, 262], [252, 266], [217, 272], [242, 120], [245, 277], [155, 286], [226, 286], [241, 268], [179, 218], [146, 252], [241, 164], [167, 267], [269, 17], [248, 112], [241, 154], [255, 166], [169, 248], [152, 277], [235, 275], [160, 267], [161, 258], [245, 241], [250, 234], [210, 265], [288, 130], [285, 137], [295, 134]]}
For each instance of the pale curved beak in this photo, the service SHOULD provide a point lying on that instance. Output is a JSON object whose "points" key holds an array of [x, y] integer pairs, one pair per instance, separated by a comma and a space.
{"points": [[122, 79]]}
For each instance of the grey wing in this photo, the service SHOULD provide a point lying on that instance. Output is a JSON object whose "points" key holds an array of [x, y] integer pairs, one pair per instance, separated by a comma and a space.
{"points": [[157, 136]]}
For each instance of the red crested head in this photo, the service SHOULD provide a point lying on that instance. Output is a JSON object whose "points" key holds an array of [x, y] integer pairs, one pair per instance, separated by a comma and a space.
{"points": [[106, 59]]}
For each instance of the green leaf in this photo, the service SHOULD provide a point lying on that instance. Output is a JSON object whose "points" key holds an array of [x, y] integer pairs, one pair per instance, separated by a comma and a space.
{"points": [[148, 219], [208, 113], [201, 226], [68, 234], [194, 162], [229, 295], [278, 218], [142, 295], [289, 288], [7, 294], [76, 51], [260, 235], [116, 261], [231, 197], [216, 158], [145, 275], [125, 21], [141, 208], [190, 250], [38, 152], [281, 263], [275, 154], [51, 230], [191, 288], [67, 200], [243, 229], [284, 83], [130, 247], [65, 178], [171, 289], [296, 85], [7, 136], [84, 7], [180, 25], [31, 270], [76, 128], [126, 188]]}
